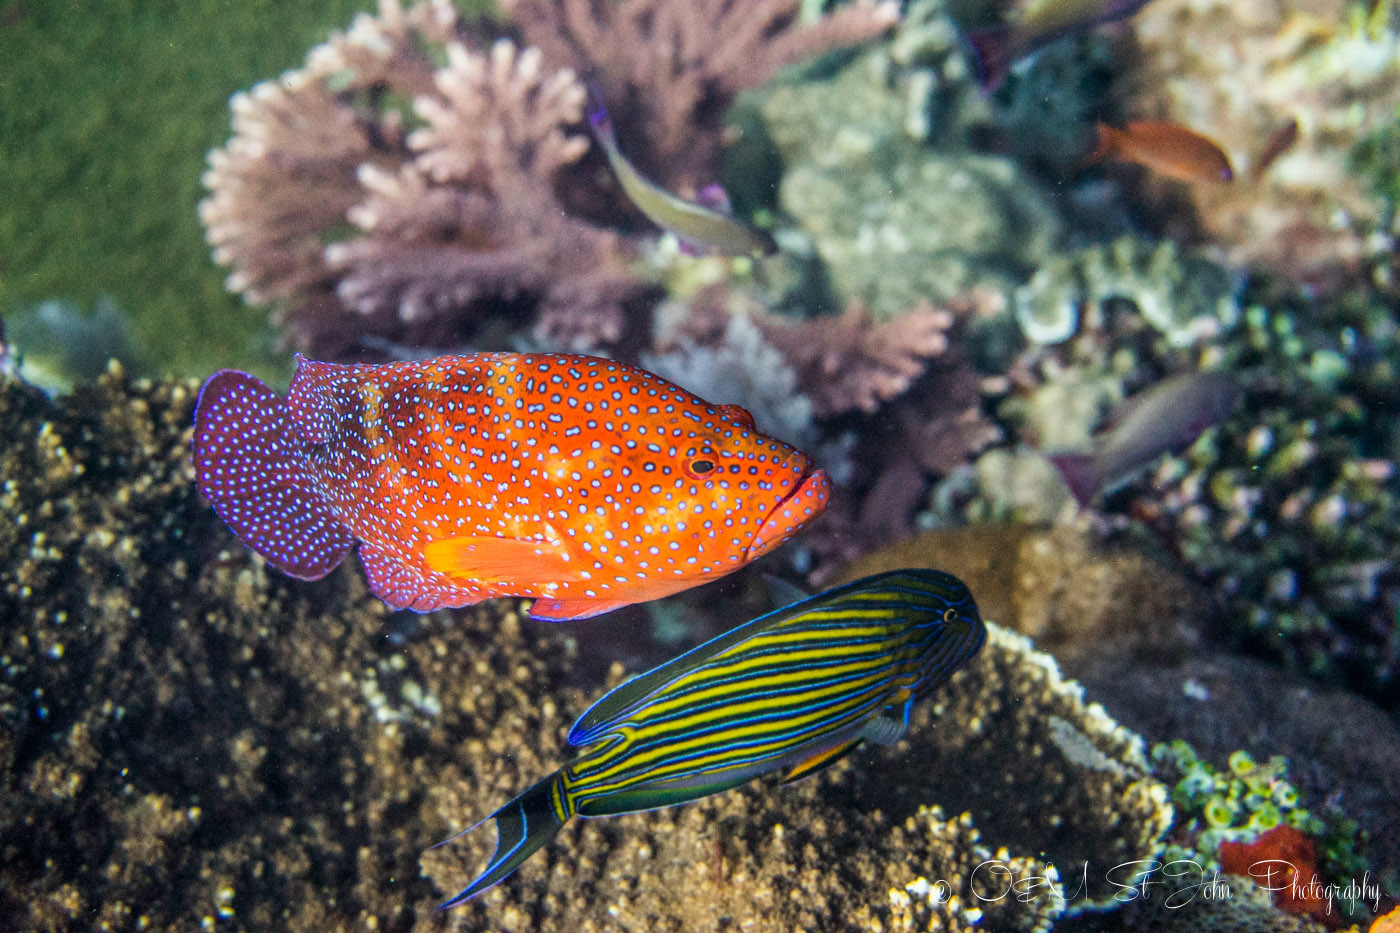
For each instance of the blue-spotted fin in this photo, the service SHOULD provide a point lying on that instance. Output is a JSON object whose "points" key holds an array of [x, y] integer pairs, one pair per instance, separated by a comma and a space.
{"points": [[695, 224], [796, 690]]}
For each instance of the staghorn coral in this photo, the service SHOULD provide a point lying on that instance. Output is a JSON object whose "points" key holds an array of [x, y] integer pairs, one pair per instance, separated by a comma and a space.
{"points": [[324, 203], [668, 69], [193, 740], [473, 218]]}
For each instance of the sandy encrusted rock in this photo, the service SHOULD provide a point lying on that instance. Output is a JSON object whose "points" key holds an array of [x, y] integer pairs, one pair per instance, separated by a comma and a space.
{"points": [[1076, 597], [190, 739], [1008, 745]]}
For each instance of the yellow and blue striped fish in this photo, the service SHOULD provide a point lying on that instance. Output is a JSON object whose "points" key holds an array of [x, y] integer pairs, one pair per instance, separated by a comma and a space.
{"points": [[798, 689]]}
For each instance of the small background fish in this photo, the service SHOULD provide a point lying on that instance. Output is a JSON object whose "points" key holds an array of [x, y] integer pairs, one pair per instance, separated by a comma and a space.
{"points": [[708, 225], [583, 482], [797, 689], [1166, 148], [1165, 418], [1041, 22]]}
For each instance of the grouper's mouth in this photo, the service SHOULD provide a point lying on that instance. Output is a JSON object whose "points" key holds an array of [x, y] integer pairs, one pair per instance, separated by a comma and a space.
{"points": [[807, 500]]}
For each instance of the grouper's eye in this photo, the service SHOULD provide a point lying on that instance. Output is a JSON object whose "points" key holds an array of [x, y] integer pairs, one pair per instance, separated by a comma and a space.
{"points": [[700, 467]]}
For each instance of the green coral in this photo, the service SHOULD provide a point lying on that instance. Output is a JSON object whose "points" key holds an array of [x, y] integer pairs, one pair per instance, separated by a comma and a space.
{"points": [[1293, 509], [1242, 801], [1239, 803]]}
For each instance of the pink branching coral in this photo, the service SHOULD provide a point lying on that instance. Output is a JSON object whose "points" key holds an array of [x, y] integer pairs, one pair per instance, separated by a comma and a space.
{"points": [[850, 363], [669, 68], [438, 228], [473, 219]]}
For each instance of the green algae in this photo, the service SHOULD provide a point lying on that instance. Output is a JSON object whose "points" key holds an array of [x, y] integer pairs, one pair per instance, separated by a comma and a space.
{"points": [[106, 114]]}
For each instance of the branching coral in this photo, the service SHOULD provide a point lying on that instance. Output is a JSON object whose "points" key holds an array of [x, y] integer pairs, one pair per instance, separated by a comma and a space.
{"points": [[669, 69], [428, 232], [473, 218], [848, 362]]}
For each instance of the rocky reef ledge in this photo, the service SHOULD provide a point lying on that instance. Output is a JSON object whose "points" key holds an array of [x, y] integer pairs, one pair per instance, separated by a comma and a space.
{"points": [[191, 741]]}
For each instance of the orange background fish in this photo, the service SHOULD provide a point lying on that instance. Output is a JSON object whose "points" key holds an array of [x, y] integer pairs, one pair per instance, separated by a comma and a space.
{"points": [[1166, 148], [584, 482]]}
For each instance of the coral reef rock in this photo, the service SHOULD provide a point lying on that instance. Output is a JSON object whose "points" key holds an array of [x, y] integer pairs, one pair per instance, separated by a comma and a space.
{"points": [[1077, 598], [191, 739], [894, 220], [853, 850]]}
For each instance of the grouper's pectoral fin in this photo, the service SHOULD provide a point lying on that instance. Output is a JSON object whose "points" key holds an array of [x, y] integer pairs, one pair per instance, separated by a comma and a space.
{"points": [[503, 561], [821, 761]]}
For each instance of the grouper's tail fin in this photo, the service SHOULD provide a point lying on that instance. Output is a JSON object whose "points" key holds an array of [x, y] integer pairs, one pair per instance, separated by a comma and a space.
{"points": [[249, 466], [522, 827]]}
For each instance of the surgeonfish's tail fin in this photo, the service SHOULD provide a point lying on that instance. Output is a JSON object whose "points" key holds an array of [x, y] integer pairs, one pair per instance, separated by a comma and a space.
{"points": [[522, 826], [1079, 475], [249, 465], [991, 53]]}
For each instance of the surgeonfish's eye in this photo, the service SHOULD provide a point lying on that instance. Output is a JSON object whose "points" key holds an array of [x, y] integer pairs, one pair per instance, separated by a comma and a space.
{"points": [[699, 467]]}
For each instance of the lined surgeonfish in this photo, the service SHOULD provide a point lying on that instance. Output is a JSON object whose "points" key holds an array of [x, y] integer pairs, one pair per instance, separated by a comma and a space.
{"points": [[586, 483], [796, 690]]}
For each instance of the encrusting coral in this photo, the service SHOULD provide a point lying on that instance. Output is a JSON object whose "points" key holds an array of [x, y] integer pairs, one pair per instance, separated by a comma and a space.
{"points": [[1237, 71], [191, 739], [848, 851]]}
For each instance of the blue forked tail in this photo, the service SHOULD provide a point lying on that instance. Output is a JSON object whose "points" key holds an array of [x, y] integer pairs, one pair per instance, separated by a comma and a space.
{"points": [[249, 466], [522, 826]]}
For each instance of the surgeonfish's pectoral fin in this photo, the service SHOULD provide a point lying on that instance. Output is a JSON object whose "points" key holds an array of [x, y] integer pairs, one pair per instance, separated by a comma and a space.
{"points": [[821, 761], [784, 593], [522, 826], [886, 730]]}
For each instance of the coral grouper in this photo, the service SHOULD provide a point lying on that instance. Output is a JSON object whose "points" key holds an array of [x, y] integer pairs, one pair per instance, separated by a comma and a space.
{"points": [[583, 482]]}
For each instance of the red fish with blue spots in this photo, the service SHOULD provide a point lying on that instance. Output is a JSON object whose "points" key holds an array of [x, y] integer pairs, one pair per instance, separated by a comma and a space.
{"points": [[585, 483]]}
